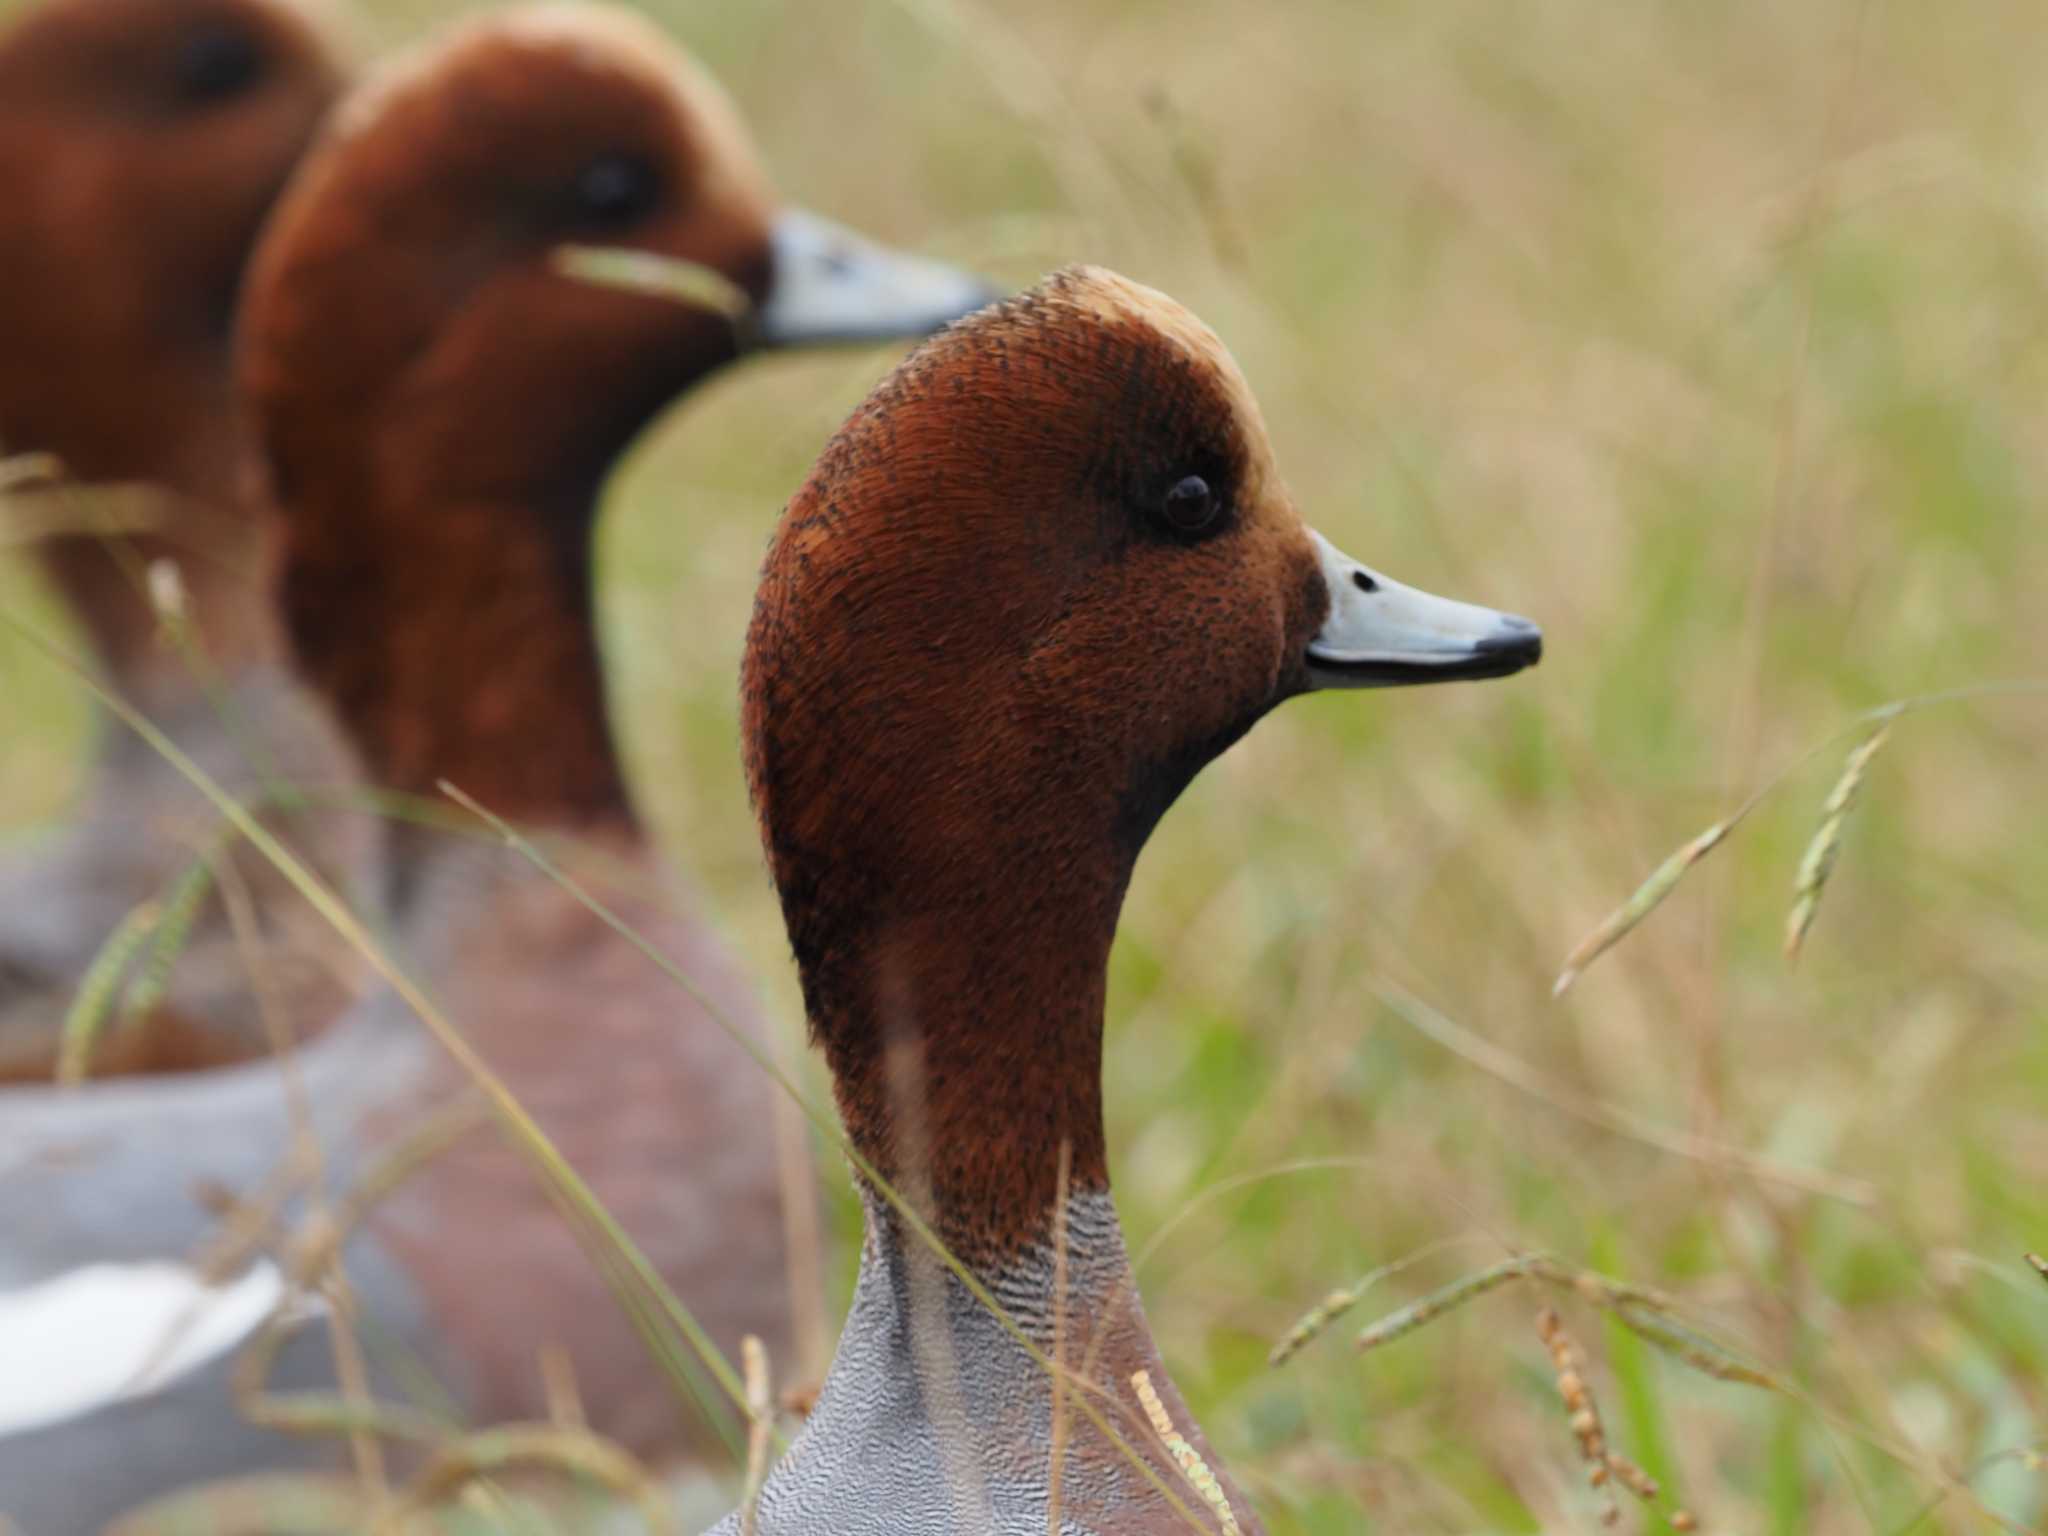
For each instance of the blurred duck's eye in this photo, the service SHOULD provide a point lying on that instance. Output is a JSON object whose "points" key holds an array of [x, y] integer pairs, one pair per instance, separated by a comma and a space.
{"points": [[616, 189], [217, 62], [1190, 506]]}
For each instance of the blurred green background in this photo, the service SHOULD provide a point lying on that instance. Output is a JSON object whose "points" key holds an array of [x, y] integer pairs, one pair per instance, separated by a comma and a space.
{"points": [[1714, 337]]}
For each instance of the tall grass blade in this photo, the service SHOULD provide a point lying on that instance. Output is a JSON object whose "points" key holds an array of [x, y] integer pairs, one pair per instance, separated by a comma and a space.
{"points": [[571, 1452], [663, 277]]}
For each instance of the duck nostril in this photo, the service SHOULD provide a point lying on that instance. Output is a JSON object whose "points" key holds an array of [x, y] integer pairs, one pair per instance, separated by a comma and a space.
{"points": [[1364, 582]]}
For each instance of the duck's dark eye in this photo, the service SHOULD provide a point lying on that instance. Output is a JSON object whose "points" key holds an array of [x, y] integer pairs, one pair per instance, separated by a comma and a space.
{"points": [[1190, 506], [616, 189], [217, 62]]}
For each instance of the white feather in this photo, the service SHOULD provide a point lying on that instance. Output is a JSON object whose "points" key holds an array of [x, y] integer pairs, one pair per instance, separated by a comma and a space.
{"points": [[97, 1335]]}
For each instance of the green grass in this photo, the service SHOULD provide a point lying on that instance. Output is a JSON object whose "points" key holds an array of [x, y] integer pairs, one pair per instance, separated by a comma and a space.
{"points": [[1713, 337]]}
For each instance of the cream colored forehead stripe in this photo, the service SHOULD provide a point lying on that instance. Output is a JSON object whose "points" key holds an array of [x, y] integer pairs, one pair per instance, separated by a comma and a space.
{"points": [[1115, 297]]}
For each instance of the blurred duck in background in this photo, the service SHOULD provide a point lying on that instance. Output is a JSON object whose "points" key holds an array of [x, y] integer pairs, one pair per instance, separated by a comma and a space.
{"points": [[1071, 499], [438, 404], [142, 143]]}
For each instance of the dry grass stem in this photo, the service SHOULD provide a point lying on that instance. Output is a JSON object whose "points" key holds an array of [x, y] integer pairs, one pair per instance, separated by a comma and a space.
{"points": [[663, 277], [1826, 846], [314, 1252], [558, 1380], [305, 1153], [931, 1333], [352, 1378], [20, 471], [572, 1452], [1056, 1471], [41, 503], [1651, 1315], [1184, 1455], [803, 1241], [760, 1428]]}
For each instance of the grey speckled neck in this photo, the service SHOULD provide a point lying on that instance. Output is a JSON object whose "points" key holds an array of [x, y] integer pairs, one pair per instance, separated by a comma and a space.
{"points": [[948, 1431]]}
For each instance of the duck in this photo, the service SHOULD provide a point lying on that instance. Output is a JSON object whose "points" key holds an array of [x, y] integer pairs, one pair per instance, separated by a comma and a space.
{"points": [[1046, 573], [142, 144], [437, 404]]}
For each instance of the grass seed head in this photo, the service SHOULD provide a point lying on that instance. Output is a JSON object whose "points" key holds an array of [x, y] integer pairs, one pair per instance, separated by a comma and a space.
{"points": [[1826, 846], [1584, 1412], [1622, 920], [93, 1003]]}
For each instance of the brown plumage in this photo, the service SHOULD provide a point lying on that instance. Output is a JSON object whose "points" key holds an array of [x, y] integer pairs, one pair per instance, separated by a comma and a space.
{"points": [[438, 405], [437, 588], [142, 143]]}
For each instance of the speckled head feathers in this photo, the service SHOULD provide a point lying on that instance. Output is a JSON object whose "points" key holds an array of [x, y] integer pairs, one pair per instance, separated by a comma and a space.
{"points": [[1040, 578], [986, 595]]}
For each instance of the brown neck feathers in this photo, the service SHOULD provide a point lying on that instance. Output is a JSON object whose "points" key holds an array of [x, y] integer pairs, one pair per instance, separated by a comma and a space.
{"points": [[455, 641], [963, 1024], [159, 467]]}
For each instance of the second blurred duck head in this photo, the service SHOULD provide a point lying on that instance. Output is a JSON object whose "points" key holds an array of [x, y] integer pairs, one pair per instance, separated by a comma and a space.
{"points": [[438, 400], [431, 301], [142, 143]]}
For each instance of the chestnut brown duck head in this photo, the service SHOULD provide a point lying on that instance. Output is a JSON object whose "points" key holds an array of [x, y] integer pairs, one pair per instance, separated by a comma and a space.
{"points": [[439, 401], [1046, 573], [142, 144]]}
